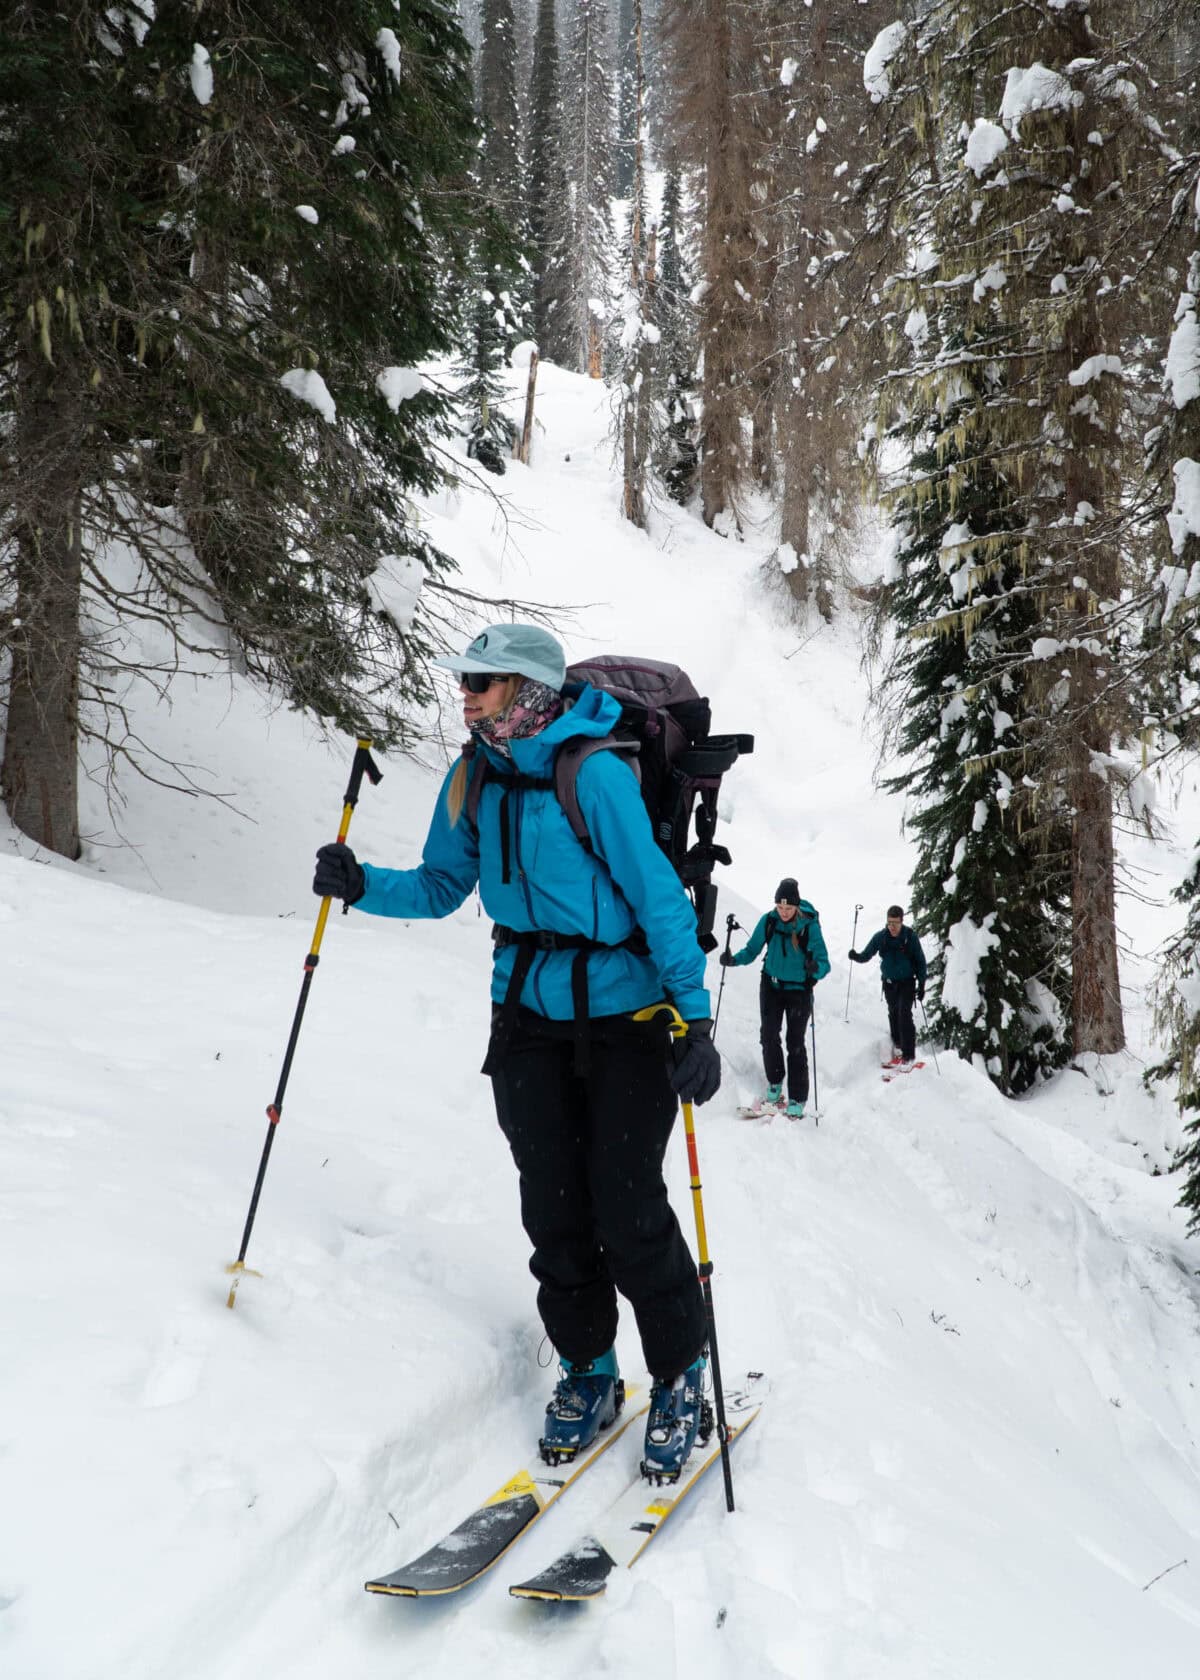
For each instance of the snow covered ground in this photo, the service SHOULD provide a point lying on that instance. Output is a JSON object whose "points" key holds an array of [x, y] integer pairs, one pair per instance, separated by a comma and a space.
{"points": [[979, 1459]]}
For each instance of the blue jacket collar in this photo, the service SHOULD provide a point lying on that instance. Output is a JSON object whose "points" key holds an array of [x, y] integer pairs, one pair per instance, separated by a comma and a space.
{"points": [[594, 713]]}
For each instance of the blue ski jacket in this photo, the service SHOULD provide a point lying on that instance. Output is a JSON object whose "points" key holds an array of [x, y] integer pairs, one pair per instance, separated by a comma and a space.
{"points": [[555, 884], [784, 965], [900, 958]]}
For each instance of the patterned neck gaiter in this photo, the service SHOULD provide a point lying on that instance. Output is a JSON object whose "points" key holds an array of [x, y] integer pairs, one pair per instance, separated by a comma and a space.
{"points": [[535, 707]]}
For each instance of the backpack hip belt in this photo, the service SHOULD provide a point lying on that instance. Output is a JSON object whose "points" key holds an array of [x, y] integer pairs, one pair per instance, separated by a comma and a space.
{"points": [[529, 942]]}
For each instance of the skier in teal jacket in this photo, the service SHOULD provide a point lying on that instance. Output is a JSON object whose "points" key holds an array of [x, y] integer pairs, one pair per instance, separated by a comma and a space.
{"points": [[585, 1095], [902, 965], [796, 960]]}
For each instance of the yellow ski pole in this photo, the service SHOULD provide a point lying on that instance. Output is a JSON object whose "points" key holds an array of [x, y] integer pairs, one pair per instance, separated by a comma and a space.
{"points": [[678, 1028], [363, 765]]}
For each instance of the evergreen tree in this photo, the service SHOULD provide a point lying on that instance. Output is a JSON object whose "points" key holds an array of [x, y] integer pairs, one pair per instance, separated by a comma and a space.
{"points": [[1026, 207], [500, 161], [547, 200], [677, 453], [490, 328], [1177, 457], [991, 881], [627, 117], [710, 65], [217, 285], [588, 159], [495, 306], [818, 346], [639, 332]]}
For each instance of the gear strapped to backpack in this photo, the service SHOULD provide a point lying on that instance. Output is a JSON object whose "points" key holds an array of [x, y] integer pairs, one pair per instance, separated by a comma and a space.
{"points": [[663, 734]]}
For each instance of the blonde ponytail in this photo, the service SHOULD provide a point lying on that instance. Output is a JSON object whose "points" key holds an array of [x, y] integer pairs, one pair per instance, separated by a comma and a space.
{"points": [[456, 793]]}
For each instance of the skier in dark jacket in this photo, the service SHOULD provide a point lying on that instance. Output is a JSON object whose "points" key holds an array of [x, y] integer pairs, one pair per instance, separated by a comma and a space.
{"points": [[796, 959], [585, 1095], [902, 964]]}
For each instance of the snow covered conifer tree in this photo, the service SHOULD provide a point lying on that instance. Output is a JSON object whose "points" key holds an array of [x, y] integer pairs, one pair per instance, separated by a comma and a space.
{"points": [[547, 204], [219, 280], [1033, 205], [676, 451], [710, 65], [588, 164], [818, 316], [639, 334], [495, 305], [992, 877], [489, 330], [1178, 452], [626, 115], [991, 884], [500, 160]]}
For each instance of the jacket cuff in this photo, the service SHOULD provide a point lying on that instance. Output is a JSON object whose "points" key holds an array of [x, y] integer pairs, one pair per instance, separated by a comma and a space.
{"points": [[693, 1006]]}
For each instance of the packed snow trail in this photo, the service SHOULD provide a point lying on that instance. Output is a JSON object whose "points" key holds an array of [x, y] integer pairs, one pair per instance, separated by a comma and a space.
{"points": [[980, 1317]]}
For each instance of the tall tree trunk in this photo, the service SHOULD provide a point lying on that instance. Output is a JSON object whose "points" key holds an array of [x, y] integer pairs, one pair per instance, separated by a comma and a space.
{"points": [[635, 419], [39, 776], [1090, 489], [762, 437], [728, 247], [1095, 979], [793, 521]]}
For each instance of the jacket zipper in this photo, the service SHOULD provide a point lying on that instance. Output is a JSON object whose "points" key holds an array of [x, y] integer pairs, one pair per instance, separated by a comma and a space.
{"points": [[521, 875]]}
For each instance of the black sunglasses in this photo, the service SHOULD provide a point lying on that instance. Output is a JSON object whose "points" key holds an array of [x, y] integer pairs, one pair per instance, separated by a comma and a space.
{"points": [[478, 682]]}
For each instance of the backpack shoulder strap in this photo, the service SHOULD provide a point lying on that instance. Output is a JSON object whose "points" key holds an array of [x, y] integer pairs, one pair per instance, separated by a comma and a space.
{"points": [[798, 925], [566, 772]]}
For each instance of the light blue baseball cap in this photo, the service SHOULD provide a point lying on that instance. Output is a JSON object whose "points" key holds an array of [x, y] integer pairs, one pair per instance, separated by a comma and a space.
{"points": [[524, 649]]}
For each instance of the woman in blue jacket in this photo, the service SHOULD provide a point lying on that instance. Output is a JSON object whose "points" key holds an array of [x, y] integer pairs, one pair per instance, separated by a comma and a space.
{"points": [[585, 1095], [796, 959]]}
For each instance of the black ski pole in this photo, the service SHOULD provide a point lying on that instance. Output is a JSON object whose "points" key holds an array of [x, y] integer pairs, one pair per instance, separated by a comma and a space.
{"points": [[932, 1051], [812, 1021], [731, 922], [363, 765], [853, 947]]}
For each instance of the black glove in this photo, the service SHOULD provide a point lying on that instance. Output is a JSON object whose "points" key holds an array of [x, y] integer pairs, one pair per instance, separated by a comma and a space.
{"points": [[920, 991], [810, 968], [852, 954], [727, 959], [339, 874], [696, 1075]]}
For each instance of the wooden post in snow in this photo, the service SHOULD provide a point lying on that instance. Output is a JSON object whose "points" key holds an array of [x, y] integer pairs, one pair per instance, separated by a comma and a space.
{"points": [[521, 444]]}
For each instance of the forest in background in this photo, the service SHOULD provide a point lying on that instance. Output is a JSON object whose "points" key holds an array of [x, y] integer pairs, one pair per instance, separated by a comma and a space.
{"points": [[934, 264]]}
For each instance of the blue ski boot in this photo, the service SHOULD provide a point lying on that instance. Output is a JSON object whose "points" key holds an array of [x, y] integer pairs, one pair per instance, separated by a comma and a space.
{"points": [[586, 1399], [679, 1416]]}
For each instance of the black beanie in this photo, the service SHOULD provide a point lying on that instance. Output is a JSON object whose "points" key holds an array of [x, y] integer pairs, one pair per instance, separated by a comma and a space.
{"points": [[787, 892]]}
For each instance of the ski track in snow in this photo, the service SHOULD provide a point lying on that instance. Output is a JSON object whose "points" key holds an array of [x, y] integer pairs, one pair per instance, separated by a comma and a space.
{"points": [[980, 1318]]}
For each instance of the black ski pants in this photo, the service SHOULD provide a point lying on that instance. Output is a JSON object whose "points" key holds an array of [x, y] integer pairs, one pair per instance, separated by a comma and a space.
{"points": [[775, 1005], [900, 995], [594, 1205]]}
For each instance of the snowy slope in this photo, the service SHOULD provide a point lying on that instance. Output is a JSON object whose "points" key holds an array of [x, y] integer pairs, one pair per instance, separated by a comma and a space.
{"points": [[980, 1317]]}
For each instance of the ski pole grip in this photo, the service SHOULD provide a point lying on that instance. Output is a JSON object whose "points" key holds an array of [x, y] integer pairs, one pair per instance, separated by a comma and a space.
{"points": [[363, 765], [677, 1025]]}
